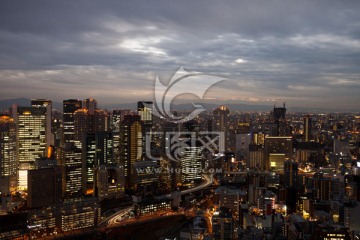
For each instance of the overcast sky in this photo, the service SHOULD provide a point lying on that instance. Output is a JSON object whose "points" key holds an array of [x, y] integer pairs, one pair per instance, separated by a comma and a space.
{"points": [[306, 53]]}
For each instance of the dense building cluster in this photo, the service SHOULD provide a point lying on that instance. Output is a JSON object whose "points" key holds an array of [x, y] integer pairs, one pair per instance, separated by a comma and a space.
{"points": [[277, 175]]}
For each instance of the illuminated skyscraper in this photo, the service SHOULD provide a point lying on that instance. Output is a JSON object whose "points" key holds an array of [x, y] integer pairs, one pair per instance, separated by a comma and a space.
{"points": [[307, 128], [8, 161], [277, 150], [46, 103], [223, 225], [69, 108], [109, 181], [115, 126], [97, 150], [145, 112], [90, 104], [191, 165], [84, 123], [322, 186], [220, 122], [71, 165], [131, 146], [31, 139]]}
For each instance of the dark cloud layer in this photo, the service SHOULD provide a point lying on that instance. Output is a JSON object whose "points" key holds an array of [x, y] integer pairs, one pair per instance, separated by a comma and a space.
{"points": [[304, 52]]}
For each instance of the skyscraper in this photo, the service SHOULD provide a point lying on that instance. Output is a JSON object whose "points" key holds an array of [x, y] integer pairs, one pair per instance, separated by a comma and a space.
{"points": [[290, 174], [223, 225], [277, 150], [145, 112], [220, 122], [41, 194], [109, 181], [280, 120], [46, 103], [90, 104], [69, 108], [85, 122], [307, 128], [131, 146], [115, 126], [191, 165], [8, 161], [96, 150], [31, 139], [71, 166]]}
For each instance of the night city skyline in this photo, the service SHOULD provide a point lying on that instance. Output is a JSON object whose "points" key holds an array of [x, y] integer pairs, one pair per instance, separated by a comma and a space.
{"points": [[173, 120]]}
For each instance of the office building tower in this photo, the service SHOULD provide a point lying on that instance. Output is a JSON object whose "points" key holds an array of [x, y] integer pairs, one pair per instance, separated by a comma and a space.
{"points": [[290, 174], [84, 123], [223, 225], [131, 146], [70, 161], [279, 114], [69, 108], [97, 150], [8, 161], [220, 122], [115, 126], [231, 198], [109, 181], [31, 140], [146, 175], [277, 150], [90, 104], [46, 103], [307, 128], [191, 164], [322, 187], [145, 111], [44, 187], [256, 157], [243, 141]]}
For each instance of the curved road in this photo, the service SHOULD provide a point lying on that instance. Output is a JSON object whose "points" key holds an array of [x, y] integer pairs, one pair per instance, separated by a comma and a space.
{"points": [[117, 217]]}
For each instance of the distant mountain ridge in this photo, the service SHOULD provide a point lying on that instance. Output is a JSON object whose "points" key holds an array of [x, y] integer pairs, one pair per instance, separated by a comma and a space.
{"points": [[7, 103]]}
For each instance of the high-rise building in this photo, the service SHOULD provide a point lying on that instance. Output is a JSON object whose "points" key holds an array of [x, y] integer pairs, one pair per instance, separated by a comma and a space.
{"points": [[8, 161], [277, 150], [46, 103], [146, 175], [280, 120], [115, 126], [220, 122], [191, 165], [223, 225], [131, 146], [290, 174], [109, 181], [322, 186], [307, 128], [97, 150], [90, 104], [31, 139], [85, 122], [70, 161], [256, 157], [44, 187], [69, 108], [145, 111]]}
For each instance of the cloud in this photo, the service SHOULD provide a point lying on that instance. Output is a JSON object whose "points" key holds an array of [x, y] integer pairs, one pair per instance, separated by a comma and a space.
{"points": [[112, 51]]}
